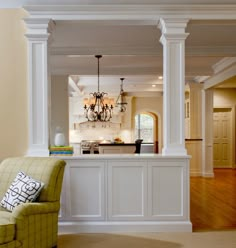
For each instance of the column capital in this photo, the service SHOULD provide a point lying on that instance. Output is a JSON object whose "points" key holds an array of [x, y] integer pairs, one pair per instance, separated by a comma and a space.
{"points": [[193, 85], [173, 25], [39, 28]]}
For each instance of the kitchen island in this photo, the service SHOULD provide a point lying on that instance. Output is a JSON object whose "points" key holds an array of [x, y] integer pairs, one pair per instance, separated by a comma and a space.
{"points": [[125, 193], [117, 148]]}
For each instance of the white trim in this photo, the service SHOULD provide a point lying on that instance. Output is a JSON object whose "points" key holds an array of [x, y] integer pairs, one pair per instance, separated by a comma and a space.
{"points": [[133, 12], [144, 50], [195, 174], [208, 175], [200, 79], [124, 226], [223, 64], [220, 77]]}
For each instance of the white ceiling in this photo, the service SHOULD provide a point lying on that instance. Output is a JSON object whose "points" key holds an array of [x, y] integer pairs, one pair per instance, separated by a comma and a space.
{"points": [[133, 51], [130, 48], [19, 3]]}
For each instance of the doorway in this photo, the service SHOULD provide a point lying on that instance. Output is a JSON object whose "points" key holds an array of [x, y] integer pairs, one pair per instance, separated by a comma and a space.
{"points": [[222, 138]]}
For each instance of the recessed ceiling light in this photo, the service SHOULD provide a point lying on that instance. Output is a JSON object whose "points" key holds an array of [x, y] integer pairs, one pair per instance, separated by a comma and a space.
{"points": [[153, 85], [160, 77]]}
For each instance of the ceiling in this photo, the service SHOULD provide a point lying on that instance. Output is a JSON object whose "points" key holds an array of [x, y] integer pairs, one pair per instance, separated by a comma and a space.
{"points": [[131, 49], [134, 52], [19, 3]]}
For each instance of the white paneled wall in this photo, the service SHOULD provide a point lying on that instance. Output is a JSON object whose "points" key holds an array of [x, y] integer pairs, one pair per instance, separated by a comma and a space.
{"points": [[103, 193]]}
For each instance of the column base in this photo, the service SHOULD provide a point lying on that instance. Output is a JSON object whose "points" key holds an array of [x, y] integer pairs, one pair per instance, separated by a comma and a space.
{"points": [[37, 153]]}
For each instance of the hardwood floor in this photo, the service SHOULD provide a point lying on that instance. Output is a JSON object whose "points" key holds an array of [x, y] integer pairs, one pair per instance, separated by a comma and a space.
{"points": [[213, 201]]}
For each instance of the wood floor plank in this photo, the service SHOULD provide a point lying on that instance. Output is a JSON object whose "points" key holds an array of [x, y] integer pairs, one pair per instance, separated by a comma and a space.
{"points": [[213, 201]]}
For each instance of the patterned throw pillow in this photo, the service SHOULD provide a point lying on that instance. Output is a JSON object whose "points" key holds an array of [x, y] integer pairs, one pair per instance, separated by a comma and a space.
{"points": [[22, 189]]}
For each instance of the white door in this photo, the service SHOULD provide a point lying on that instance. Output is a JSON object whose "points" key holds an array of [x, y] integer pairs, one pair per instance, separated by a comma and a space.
{"points": [[222, 143]]}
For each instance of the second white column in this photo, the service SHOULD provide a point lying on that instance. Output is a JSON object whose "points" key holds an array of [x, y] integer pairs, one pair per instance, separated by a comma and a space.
{"points": [[173, 41]]}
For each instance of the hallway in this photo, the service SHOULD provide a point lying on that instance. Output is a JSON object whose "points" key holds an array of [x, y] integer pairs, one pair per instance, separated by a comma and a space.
{"points": [[213, 201]]}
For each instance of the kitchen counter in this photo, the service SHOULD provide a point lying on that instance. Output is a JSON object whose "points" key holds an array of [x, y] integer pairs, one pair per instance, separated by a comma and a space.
{"points": [[117, 144], [117, 148]]}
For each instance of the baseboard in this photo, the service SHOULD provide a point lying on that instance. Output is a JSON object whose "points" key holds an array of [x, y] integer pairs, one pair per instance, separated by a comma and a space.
{"points": [[209, 174], [137, 226], [195, 173]]}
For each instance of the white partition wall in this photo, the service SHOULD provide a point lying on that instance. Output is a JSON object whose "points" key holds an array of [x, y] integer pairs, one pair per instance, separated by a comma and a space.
{"points": [[103, 193], [107, 193]]}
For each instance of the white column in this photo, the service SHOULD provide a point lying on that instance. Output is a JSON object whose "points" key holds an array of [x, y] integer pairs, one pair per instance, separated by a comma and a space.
{"points": [[195, 95], [38, 32], [207, 133], [173, 41]]}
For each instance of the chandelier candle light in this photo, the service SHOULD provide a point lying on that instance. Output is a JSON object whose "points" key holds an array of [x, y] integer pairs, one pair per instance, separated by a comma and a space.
{"points": [[120, 102], [98, 108]]}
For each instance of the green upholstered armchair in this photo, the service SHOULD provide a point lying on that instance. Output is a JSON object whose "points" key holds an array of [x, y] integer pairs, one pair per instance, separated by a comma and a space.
{"points": [[32, 225]]}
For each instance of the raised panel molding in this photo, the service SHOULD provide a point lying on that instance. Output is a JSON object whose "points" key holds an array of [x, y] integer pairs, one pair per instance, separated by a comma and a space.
{"points": [[106, 193], [86, 191], [167, 191], [127, 194]]}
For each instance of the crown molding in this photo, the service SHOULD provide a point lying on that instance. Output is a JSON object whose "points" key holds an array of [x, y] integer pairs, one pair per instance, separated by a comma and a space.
{"points": [[39, 27], [220, 77], [200, 79], [216, 51], [132, 12], [223, 64], [69, 70], [114, 50], [219, 51]]}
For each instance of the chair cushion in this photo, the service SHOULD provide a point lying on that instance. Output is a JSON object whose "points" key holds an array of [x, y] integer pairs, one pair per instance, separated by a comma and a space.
{"points": [[7, 227], [23, 189]]}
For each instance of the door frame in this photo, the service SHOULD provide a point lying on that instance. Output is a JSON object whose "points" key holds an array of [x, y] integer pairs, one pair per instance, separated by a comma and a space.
{"points": [[233, 112]]}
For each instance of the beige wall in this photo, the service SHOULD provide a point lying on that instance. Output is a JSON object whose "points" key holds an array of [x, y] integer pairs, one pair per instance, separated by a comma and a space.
{"points": [[148, 104], [13, 84], [224, 97]]}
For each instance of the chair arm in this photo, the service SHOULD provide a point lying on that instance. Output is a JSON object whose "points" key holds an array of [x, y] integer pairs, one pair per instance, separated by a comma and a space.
{"points": [[33, 208]]}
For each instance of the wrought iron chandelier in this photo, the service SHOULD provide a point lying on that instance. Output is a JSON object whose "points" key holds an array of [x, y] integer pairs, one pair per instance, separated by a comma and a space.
{"points": [[120, 102], [98, 108]]}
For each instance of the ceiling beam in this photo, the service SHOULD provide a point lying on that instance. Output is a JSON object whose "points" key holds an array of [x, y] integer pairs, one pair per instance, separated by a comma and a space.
{"points": [[196, 51], [133, 12]]}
